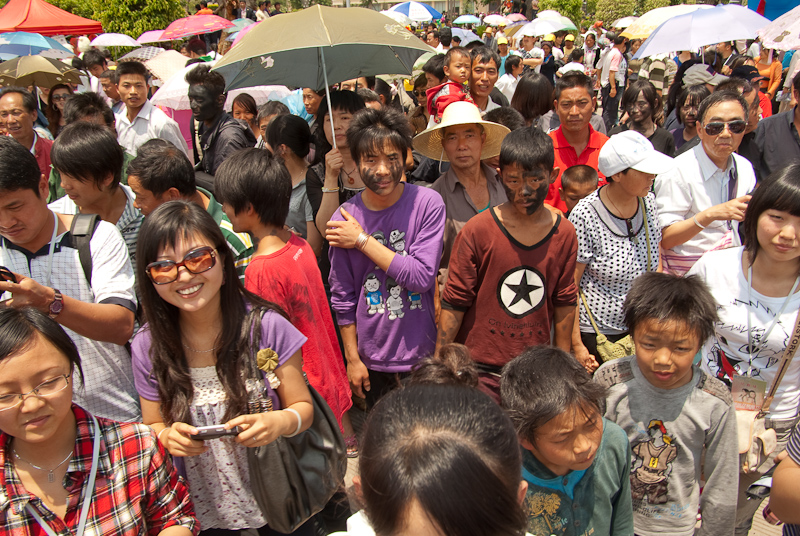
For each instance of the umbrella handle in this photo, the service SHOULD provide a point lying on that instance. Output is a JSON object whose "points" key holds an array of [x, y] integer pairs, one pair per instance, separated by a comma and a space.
{"points": [[327, 94]]}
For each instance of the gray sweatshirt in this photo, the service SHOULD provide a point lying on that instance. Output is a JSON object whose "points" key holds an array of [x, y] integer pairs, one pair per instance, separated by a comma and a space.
{"points": [[668, 429]]}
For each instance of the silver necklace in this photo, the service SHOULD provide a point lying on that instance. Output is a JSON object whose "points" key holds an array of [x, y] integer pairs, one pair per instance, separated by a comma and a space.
{"points": [[214, 349], [50, 476]]}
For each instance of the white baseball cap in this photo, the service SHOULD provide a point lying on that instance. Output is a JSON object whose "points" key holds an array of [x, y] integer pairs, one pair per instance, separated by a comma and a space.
{"points": [[631, 150]]}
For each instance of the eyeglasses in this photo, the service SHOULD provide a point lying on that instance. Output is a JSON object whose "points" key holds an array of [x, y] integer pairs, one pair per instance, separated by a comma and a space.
{"points": [[196, 261], [44, 389], [735, 127], [60, 97]]}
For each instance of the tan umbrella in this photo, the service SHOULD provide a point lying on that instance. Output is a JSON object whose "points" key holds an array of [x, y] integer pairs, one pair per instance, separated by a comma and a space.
{"points": [[37, 71], [319, 46]]}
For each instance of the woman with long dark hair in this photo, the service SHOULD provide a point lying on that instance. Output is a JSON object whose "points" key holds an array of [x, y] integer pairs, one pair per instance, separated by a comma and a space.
{"points": [[533, 97], [757, 287], [687, 106], [195, 363], [641, 102]]}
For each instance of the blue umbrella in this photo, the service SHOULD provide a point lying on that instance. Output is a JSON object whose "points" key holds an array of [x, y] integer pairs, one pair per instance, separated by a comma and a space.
{"points": [[416, 11], [16, 44], [467, 19], [240, 24]]}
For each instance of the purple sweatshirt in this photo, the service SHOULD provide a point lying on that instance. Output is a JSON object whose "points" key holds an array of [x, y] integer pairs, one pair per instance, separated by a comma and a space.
{"points": [[393, 311]]}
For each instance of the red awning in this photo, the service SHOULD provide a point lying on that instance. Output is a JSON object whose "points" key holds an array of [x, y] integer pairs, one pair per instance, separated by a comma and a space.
{"points": [[40, 17]]}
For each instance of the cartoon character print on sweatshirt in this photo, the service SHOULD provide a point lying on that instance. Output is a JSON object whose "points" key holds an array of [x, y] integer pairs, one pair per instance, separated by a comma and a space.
{"points": [[398, 242], [652, 464], [394, 302], [372, 293], [725, 365]]}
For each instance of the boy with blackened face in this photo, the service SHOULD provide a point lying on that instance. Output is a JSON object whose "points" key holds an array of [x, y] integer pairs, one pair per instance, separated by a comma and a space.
{"points": [[383, 343], [511, 268]]}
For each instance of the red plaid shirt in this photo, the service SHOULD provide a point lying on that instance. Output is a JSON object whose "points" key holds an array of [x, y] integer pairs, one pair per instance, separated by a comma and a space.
{"points": [[137, 488]]}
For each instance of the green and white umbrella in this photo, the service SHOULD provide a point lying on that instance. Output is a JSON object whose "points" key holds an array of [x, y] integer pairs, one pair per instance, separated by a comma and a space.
{"points": [[319, 46]]}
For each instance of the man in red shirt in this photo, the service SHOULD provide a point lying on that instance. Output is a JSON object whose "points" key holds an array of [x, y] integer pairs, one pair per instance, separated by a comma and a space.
{"points": [[17, 115], [575, 141]]}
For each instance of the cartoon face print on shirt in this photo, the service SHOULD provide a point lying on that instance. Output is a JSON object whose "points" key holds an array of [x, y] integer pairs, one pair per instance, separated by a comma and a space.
{"points": [[652, 464], [372, 293], [397, 240], [521, 291], [394, 302]]}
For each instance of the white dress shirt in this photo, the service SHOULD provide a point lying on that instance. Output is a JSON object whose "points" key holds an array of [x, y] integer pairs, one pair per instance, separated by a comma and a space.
{"points": [[695, 184], [507, 84], [150, 123]]}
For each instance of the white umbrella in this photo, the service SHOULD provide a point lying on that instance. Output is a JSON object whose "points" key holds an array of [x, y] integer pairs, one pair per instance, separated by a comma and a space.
{"points": [[466, 36], [538, 27], [783, 33], [398, 17], [702, 27], [550, 14], [624, 22], [647, 23], [175, 92], [495, 20], [114, 40]]}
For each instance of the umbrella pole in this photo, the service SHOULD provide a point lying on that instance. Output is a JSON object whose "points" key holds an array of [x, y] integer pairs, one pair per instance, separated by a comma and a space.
{"points": [[327, 94]]}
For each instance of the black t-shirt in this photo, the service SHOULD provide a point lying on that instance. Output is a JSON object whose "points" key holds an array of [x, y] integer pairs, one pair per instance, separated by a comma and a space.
{"points": [[662, 139]]}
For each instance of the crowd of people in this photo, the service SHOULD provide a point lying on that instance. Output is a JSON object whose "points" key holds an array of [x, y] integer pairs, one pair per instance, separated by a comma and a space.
{"points": [[550, 274]]}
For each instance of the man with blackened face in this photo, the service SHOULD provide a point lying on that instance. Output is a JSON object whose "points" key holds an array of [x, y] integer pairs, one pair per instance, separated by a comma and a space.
{"points": [[220, 134], [511, 280], [383, 290]]}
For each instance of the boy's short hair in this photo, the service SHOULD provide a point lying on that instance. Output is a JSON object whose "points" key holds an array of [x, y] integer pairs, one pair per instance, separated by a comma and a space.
{"points": [[579, 174], [202, 75], [506, 116], [109, 75], [93, 57], [512, 62], [435, 66], [89, 104], [542, 383], [88, 152], [371, 129], [252, 177], [18, 167], [664, 298], [131, 68], [159, 165], [576, 55], [368, 95], [456, 52], [530, 148]]}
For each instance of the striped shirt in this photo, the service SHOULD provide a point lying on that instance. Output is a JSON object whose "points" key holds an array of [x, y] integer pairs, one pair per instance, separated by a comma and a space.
{"points": [[241, 244]]}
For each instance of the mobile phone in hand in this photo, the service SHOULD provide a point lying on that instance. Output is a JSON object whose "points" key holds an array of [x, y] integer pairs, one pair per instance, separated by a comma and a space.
{"points": [[7, 275], [215, 431]]}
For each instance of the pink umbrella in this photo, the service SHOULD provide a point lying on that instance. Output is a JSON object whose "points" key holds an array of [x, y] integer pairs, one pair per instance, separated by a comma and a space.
{"points": [[514, 17], [195, 25], [243, 32], [152, 36]]}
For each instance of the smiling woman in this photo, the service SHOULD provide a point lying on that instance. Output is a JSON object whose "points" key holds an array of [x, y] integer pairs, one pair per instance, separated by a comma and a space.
{"points": [[46, 441]]}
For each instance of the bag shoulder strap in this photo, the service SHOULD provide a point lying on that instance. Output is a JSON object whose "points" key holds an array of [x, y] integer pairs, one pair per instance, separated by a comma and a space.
{"points": [[646, 232], [588, 312], [82, 229], [786, 359]]}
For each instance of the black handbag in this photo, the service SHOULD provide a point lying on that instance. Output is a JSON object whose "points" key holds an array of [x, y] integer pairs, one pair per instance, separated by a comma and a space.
{"points": [[293, 478]]}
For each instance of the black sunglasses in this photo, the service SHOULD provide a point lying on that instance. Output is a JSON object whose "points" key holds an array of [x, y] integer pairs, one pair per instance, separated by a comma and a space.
{"points": [[196, 261], [715, 128]]}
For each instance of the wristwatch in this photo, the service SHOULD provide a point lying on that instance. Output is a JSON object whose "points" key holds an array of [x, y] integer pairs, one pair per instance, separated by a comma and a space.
{"points": [[57, 305]]}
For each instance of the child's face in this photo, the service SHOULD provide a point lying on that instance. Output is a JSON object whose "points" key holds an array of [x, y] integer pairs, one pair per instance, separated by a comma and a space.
{"points": [[527, 190], [568, 442], [574, 193], [458, 69], [665, 352]]}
